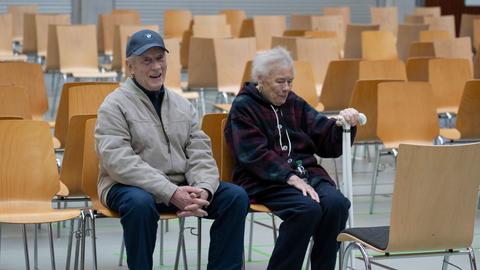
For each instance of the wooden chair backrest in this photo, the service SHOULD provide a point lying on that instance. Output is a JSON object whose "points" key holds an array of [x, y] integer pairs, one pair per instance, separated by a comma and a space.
{"points": [[30, 76], [406, 113], [120, 40], [217, 19], [173, 77], [6, 35], [434, 197], [212, 31], [17, 12], [338, 85], [29, 42], [476, 34], [454, 48], [266, 27], [448, 78], [235, 18], [442, 23], [79, 98], [72, 163], [106, 26], [90, 168], [382, 69], [304, 83], [319, 52], [386, 17], [227, 159], [414, 19], [417, 69], [468, 116], [353, 39], [407, 34], [42, 22], [77, 47], [246, 30], [421, 49], [176, 22], [434, 35], [364, 99], [53, 57], [14, 101], [294, 33], [28, 170], [379, 45], [341, 11], [466, 26], [427, 11], [212, 126]]}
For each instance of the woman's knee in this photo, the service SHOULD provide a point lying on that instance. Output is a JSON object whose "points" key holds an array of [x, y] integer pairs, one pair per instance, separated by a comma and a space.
{"points": [[336, 204]]}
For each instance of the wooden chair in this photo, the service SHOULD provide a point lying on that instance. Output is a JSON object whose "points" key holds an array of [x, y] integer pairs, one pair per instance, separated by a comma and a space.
{"points": [[176, 22], [235, 18], [14, 102], [467, 124], [30, 77], [29, 178], [211, 125], [454, 48], [106, 26], [79, 98], [434, 35], [263, 28], [17, 12], [89, 176], [441, 222], [386, 17], [343, 11], [319, 52], [6, 40], [382, 69], [378, 45], [427, 11], [226, 174], [446, 23], [407, 34], [42, 21], [466, 26], [120, 40], [212, 31], [414, 19], [447, 77], [421, 49], [338, 84], [353, 39]]}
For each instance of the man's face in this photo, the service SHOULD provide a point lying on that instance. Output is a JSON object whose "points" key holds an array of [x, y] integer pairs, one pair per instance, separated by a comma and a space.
{"points": [[150, 68]]}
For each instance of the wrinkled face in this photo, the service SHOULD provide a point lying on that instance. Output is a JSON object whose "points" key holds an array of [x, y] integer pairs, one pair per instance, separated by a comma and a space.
{"points": [[276, 86], [150, 68]]}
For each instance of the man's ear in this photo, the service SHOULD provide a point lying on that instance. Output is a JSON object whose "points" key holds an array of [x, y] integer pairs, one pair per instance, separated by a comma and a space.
{"points": [[129, 64]]}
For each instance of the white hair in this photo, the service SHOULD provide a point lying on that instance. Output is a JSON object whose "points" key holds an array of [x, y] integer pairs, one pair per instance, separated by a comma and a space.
{"points": [[265, 62]]}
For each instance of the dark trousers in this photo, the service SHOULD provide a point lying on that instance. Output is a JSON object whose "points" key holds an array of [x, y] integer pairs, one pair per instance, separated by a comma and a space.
{"points": [[304, 218], [139, 217]]}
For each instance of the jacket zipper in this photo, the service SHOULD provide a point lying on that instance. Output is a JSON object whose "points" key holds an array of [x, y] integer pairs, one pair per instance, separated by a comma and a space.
{"points": [[165, 133]]}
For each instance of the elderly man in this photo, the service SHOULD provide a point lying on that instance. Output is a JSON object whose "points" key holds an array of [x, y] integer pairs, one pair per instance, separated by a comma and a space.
{"points": [[154, 158]]}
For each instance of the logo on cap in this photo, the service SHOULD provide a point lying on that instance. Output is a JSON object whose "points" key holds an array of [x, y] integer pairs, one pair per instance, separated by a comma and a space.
{"points": [[148, 35]]}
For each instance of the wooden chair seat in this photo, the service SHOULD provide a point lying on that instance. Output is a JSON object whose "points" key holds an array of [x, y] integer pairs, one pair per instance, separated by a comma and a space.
{"points": [[14, 58], [63, 191], [450, 133], [28, 212], [257, 207], [223, 107]]}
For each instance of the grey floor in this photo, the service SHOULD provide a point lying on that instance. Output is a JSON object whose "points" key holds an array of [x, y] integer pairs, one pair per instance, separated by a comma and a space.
{"points": [[109, 231]]}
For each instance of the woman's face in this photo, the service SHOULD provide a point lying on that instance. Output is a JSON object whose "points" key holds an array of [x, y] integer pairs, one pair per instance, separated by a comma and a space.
{"points": [[276, 86]]}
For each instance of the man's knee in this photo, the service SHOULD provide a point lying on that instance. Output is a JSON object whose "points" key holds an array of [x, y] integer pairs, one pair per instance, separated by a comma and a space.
{"points": [[237, 198], [139, 202]]}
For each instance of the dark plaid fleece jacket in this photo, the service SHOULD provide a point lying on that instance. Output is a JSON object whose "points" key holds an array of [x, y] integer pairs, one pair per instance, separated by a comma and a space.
{"points": [[253, 137]]}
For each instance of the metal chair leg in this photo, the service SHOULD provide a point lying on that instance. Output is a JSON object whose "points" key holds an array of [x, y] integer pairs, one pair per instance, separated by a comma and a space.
{"points": [[25, 247], [122, 249], [77, 243], [94, 239], [274, 228], [161, 241], [348, 252], [181, 223], [52, 251], [250, 239], [374, 178], [35, 247], [0, 239], [82, 239], [199, 243], [70, 242], [184, 253], [471, 256], [309, 255]]}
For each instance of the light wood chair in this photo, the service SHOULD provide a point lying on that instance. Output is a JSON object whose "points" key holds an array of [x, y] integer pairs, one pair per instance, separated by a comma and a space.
{"points": [[454, 48], [304, 84], [79, 98], [211, 125], [446, 23], [263, 28], [226, 174], [343, 11], [89, 177], [427, 11], [235, 18], [120, 39], [467, 124], [212, 31], [466, 26], [30, 179], [386, 17], [434, 35], [6, 40], [421, 49], [442, 222], [29, 76], [106, 25], [407, 34], [40, 30], [414, 19], [176, 22], [353, 39], [17, 12], [378, 45], [382, 69], [14, 102], [319, 52], [447, 77]]}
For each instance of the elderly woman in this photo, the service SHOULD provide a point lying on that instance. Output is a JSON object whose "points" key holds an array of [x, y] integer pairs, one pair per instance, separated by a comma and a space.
{"points": [[274, 134]]}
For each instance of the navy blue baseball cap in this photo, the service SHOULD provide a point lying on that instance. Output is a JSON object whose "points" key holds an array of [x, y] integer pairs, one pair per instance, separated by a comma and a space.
{"points": [[143, 40]]}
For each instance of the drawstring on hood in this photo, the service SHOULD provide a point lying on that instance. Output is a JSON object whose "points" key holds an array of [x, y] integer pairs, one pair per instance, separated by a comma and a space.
{"points": [[279, 128]]}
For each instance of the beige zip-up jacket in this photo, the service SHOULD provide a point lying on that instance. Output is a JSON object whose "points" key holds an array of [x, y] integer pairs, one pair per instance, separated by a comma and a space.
{"points": [[134, 150]]}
